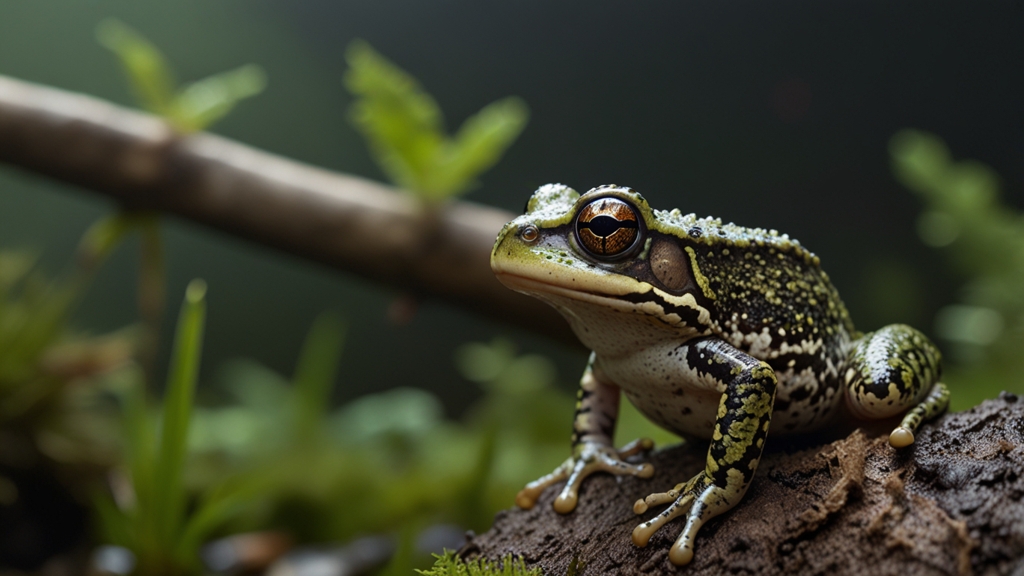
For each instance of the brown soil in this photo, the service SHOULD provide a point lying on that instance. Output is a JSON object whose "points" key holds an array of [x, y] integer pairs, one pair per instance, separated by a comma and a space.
{"points": [[953, 503]]}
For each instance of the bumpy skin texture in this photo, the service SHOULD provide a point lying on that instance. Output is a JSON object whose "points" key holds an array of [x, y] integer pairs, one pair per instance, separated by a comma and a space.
{"points": [[713, 331]]}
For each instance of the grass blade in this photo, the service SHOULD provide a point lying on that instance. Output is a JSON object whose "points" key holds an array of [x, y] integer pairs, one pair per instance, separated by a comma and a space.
{"points": [[169, 494], [314, 375]]}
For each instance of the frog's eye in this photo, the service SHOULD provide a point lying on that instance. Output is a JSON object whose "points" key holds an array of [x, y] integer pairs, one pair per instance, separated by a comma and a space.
{"points": [[607, 228], [529, 233]]}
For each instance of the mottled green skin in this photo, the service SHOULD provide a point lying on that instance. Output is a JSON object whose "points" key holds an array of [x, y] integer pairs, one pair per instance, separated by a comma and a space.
{"points": [[713, 331]]}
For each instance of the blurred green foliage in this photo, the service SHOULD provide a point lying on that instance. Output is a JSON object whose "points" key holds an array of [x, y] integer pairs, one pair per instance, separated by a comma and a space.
{"points": [[984, 241], [449, 564], [150, 512], [188, 108], [52, 379], [33, 315], [383, 460], [405, 129]]}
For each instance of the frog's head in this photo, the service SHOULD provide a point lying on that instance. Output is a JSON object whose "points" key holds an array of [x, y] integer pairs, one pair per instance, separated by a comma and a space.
{"points": [[601, 252]]}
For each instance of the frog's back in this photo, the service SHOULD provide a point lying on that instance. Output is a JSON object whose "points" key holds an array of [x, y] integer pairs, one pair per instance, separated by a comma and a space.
{"points": [[769, 295]]}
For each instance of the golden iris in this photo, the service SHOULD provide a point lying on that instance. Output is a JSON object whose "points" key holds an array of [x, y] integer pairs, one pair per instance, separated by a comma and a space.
{"points": [[607, 227]]}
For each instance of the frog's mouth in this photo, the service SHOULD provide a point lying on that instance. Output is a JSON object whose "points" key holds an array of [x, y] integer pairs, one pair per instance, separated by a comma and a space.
{"points": [[642, 299], [538, 288]]}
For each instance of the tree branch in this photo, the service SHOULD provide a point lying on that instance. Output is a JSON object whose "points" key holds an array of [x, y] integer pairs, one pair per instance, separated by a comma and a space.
{"points": [[344, 221], [952, 503]]}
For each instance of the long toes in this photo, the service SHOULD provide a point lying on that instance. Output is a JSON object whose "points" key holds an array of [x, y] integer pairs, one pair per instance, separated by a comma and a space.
{"points": [[680, 555], [638, 446], [527, 497], [643, 532], [566, 500], [657, 499], [610, 464], [682, 551]]}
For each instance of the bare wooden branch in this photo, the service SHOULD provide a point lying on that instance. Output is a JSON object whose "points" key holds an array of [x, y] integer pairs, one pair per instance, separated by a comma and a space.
{"points": [[344, 221]]}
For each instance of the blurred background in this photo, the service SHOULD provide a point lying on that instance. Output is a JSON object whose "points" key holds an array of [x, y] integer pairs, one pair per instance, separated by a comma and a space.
{"points": [[778, 116]]}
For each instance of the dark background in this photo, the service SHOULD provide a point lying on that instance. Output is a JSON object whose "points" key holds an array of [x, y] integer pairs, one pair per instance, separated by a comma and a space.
{"points": [[775, 115]]}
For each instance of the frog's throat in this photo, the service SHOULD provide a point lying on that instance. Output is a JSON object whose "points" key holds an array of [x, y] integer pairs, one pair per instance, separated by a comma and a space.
{"points": [[658, 303]]}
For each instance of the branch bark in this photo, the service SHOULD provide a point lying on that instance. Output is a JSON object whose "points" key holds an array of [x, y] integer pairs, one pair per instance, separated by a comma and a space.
{"points": [[953, 503], [347, 222]]}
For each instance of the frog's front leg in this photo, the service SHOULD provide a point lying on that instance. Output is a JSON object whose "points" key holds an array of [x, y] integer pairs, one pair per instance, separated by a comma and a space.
{"points": [[744, 413], [597, 408], [891, 370]]}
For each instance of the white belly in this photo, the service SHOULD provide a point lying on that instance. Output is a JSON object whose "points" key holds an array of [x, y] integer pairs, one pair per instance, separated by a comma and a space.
{"points": [[664, 388]]}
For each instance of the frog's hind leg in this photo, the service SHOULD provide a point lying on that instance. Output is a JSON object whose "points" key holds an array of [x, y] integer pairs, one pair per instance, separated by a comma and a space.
{"points": [[891, 370], [935, 404]]}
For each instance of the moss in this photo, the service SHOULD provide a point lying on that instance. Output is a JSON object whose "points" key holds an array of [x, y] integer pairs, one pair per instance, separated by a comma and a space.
{"points": [[451, 565]]}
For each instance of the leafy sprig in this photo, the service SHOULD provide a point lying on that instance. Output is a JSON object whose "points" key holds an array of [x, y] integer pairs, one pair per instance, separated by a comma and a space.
{"points": [[190, 107], [405, 129]]}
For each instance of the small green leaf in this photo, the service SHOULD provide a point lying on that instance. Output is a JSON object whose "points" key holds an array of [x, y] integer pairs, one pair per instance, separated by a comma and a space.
{"points": [[202, 103], [100, 240], [480, 143], [148, 71], [399, 411], [214, 509], [405, 129], [314, 376], [403, 123], [113, 523], [195, 106]]}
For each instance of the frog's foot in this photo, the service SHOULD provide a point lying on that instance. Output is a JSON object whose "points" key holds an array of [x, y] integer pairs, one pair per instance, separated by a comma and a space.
{"points": [[589, 458], [932, 406], [699, 499]]}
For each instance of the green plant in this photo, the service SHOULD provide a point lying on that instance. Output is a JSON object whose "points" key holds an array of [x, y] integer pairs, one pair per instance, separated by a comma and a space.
{"points": [[449, 564], [984, 240], [41, 357], [405, 129], [187, 108], [150, 513], [380, 461]]}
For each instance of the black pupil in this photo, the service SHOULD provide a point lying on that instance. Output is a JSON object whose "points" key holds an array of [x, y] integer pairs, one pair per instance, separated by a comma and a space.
{"points": [[605, 225]]}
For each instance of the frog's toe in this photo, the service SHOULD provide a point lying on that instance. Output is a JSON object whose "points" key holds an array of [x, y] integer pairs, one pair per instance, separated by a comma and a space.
{"points": [[638, 446], [682, 551], [657, 499], [681, 554], [527, 497], [643, 532], [618, 467], [901, 437], [566, 500]]}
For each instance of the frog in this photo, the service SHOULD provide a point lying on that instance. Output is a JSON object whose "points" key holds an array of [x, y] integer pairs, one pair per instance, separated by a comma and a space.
{"points": [[716, 332]]}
